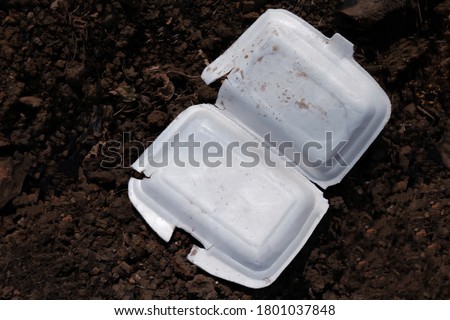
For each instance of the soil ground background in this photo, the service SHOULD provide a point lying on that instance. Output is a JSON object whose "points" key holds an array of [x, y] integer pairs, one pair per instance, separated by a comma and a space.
{"points": [[75, 74]]}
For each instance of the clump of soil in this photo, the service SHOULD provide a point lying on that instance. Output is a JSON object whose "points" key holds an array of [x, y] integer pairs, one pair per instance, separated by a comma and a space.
{"points": [[77, 75]]}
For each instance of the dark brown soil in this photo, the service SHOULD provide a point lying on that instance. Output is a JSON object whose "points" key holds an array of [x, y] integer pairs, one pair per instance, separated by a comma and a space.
{"points": [[75, 74]]}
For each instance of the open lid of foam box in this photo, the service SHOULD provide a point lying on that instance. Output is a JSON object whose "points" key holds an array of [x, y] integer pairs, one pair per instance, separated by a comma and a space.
{"points": [[294, 108]]}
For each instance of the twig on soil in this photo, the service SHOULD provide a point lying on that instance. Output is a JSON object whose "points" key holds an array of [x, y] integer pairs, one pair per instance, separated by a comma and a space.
{"points": [[180, 95], [76, 46], [53, 43], [420, 13], [140, 287], [119, 191], [109, 36], [183, 74], [301, 7], [145, 90], [126, 111], [168, 69], [131, 110], [426, 113], [80, 26], [218, 5], [119, 111], [415, 4], [73, 11]]}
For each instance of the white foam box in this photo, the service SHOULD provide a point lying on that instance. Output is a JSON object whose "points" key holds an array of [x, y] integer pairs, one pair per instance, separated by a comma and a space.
{"points": [[286, 79]]}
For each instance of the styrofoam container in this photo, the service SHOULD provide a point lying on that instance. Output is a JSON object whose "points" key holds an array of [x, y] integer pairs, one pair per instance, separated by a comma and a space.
{"points": [[285, 78]]}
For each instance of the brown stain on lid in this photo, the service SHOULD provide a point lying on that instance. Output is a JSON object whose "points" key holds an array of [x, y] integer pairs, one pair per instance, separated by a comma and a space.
{"points": [[302, 104]]}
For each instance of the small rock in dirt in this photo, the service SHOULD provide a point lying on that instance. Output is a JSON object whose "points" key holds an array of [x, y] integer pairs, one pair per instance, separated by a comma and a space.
{"points": [[109, 20], [4, 142], [202, 287], [105, 256], [444, 149], [167, 90], [410, 109], [25, 200], [122, 177], [123, 269], [421, 233], [128, 31], [101, 176], [182, 266], [123, 254], [7, 51], [119, 203], [75, 71], [404, 157], [174, 110], [362, 264], [443, 9], [30, 67], [14, 91], [247, 6], [445, 65], [67, 218], [130, 72], [251, 16], [207, 94], [378, 192], [329, 295], [443, 233], [90, 90], [401, 186], [60, 64], [368, 12], [30, 16], [433, 246], [12, 175], [56, 4], [89, 218], [18, 236], [37, 41], [6, 292], [225, 31], [158, 118], [31, 101], [317, 280]]}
